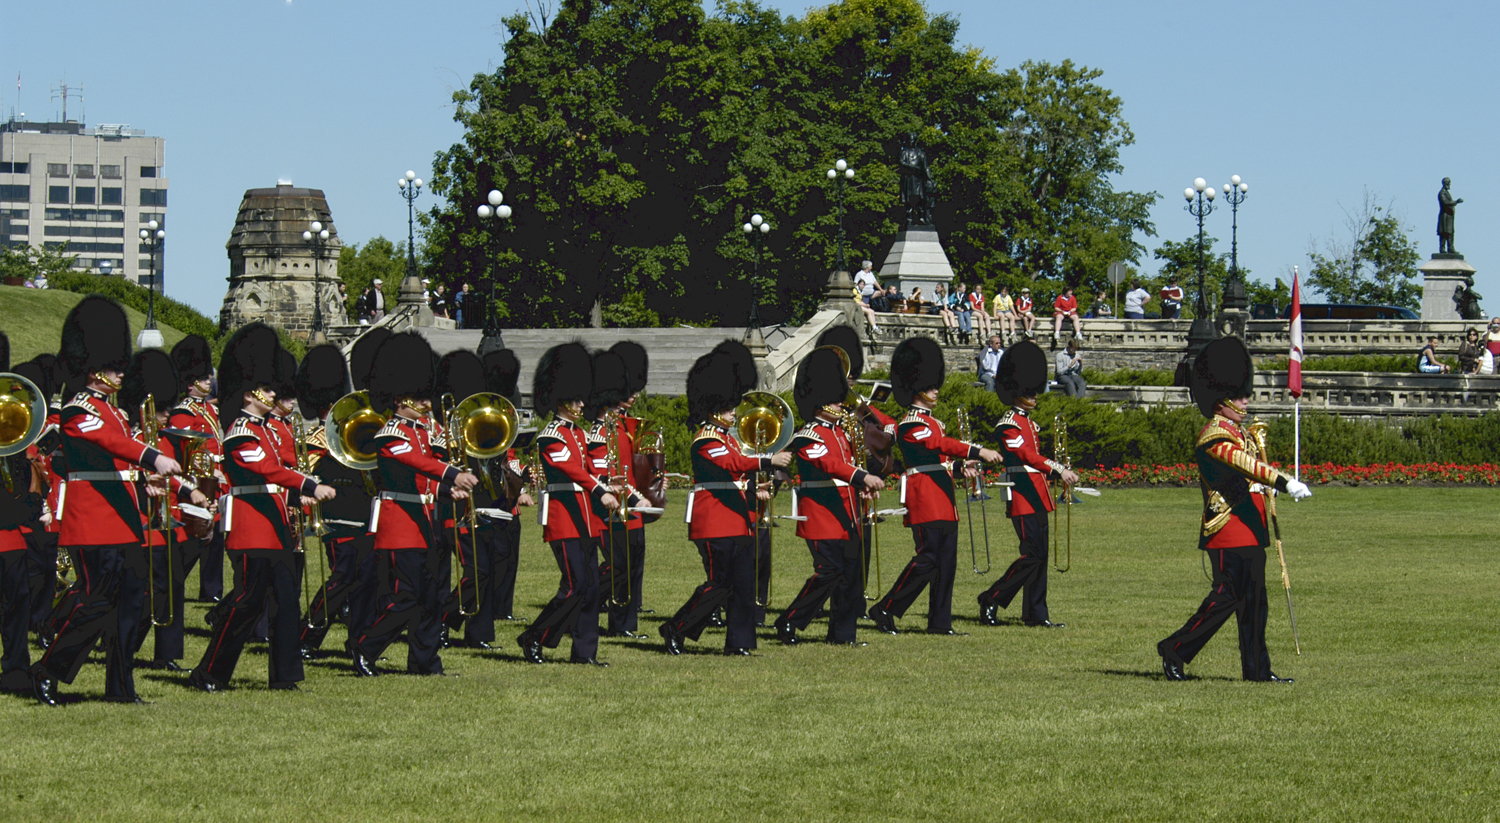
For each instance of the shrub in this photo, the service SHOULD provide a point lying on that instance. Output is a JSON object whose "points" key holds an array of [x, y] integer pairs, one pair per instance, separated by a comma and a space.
{"points": [[179, 316]]}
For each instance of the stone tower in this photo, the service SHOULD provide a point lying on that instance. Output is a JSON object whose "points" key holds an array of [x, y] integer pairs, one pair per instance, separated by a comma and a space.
{"points": [[271, 268]]}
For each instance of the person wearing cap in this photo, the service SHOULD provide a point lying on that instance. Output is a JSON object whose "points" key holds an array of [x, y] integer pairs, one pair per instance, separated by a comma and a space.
{"points": [[1236, 483], [197, 411], [100, 513], [1021, 377], [258, 535], [827, 499], [571, 487], [1024, 310], [411, 476], [917, 373], [623, 570]]}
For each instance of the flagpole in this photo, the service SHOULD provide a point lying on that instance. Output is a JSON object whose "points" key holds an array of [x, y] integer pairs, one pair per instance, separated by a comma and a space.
{"points": [[1294, 373], [1297, 440]]}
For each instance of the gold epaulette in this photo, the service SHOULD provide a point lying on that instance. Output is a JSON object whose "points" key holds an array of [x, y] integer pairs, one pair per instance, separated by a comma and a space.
{"points": [[913, 415], [1009, 418], [240, 428], [708, 433], [318, 439], [1220, 428], [392, 428], [595, 434], [810, 431], [81, 400], [553, 430]]}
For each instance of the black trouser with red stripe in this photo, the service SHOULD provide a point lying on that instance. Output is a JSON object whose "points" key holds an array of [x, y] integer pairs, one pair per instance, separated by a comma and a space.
{"points": [[575, 608], [344, 555], [1239, 588], [104, 607], [411, 600], [1029, 572], [208, 554], [836, 580], [167, 596], [266, 582], [621, 575], [366, 593], [41, 572], [15, 607], [503, 592], [475, 591], [730, 563], [935, 564]]}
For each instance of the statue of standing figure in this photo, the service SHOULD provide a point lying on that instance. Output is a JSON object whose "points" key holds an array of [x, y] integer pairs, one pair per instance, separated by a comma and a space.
{"points": [[1446, 208], [917, 186]]}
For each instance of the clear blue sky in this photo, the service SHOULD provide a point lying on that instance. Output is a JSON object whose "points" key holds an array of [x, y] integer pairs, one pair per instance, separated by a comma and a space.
{"points": [[1311, 102]]}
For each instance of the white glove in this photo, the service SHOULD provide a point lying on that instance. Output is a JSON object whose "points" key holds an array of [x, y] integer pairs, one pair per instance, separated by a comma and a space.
{"points": [[1298, 490]]}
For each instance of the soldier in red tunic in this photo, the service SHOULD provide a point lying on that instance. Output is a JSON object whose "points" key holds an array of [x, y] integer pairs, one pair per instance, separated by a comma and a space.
{"points": [[1020, 377], [100, 513], [197, 411], [720, 516], [611, 453], [460, 374], [1236, 481], [561, 385], [826, 496], [917, 373], [411, 478], [258, 538], [501, 541], [623, 569]]}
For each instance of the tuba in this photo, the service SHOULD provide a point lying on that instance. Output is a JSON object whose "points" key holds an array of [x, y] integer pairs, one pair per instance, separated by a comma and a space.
{"points": [[483, 427], [23, 414], [351, 426], [198, 464], [763, 425]]}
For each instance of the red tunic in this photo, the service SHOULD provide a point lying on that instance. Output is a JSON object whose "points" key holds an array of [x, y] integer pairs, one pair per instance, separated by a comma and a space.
{"points": [[829, 482], [927, 484], [411, 476], [1024, 465], [96, 439], [724, 508], [256, 517], [627, 434], [1234, 512], [200, 415], [569, 484]]}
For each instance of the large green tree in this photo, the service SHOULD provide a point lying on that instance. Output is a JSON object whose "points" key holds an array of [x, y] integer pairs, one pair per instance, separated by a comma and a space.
{"points": [[359, 266], [1375, 262], [634, 137]]}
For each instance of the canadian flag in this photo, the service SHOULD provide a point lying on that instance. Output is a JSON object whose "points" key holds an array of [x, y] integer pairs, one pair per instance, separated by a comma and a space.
{"points": [[1294, 360]]}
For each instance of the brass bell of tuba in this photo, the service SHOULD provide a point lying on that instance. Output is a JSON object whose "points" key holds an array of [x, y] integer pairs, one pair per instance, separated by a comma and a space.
{"points": [[23, 414], [351, 426]]}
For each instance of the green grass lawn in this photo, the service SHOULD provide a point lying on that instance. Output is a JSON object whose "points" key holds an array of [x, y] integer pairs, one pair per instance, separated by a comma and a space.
{"points": [[1393, 716], [33, 319]]}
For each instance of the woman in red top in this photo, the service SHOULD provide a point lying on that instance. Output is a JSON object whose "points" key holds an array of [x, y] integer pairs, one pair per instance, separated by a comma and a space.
{"points": [[1066, 305]]}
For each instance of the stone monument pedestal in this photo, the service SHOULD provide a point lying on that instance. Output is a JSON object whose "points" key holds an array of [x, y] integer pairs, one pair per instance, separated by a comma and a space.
{"points": [[1443, 278], [917, 259]]}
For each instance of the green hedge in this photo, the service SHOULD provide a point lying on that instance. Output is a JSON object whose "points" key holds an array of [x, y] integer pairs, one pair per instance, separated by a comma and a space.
{"points": [[179, 316]]}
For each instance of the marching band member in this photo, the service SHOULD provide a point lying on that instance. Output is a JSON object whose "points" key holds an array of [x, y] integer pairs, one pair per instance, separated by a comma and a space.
{"points": [[461, 374], [1020, 377], [323, 378], [917, 373], [501, 372], [562, 383], [258, 536], [1235, 480], [747, 378], [610, 388], [411, 476], [198, 412], [621, 574], [100, 513], [720, 519], [363, 598], [41, 532], [19, 506], [830, 483]]}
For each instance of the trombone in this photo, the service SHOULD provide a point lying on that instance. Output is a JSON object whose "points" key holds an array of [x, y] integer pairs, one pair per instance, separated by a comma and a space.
{"points": [[158, 516], [350, 427], [615, 470], [762, 424], [313, 525], [970, 492], [483, 426]]}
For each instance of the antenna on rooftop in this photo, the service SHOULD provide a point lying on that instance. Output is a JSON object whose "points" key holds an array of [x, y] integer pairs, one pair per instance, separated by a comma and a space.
{"points": [[64, 91]]}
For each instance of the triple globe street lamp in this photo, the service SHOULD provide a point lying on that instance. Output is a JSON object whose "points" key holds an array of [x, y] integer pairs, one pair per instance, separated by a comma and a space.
{"points": [[318, 237], [496, 208], [756, 230], [1200, 203], [839, 173], [152, 237], [410, 186]]}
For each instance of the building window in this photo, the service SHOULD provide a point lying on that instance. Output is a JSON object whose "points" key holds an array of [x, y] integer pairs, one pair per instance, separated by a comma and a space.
{"points": [[57, 194], [112, 196], [15, 168], [15, 193], [148, 171], [153, 197], [110, 172], [85, 195], [57, 169], [84, 170]]}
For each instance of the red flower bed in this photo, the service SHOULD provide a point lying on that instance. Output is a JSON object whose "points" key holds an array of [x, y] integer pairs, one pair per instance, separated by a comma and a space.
{"points": [[1182, 474]]}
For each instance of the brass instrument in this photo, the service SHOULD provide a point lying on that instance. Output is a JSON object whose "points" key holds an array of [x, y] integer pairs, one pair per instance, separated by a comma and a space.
{"points": [[616, 472], [158, 514], [23, 414], [483, 426], [864, 513], [1257, 430], [966, 434], [351, 426], [1065, 498], [763, 425], [313, 526], [198, 464]]}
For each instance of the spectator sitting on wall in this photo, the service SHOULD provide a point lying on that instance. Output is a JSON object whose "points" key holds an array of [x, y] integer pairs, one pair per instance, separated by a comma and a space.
{"points": [[865, 281], [1069, 367], [1491, 347], [1135, 301], [1171, 300], [1427, 361], [988, 362], [1469, 353], [1101, 308], [1005, 313], [1066, 305], [1024, 311], [942, 304], [964, 311], [981, 316]]}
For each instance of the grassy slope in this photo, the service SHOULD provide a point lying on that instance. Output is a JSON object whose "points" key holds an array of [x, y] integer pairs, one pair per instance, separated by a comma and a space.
{"points": [[33, 319], [1393, 715]]}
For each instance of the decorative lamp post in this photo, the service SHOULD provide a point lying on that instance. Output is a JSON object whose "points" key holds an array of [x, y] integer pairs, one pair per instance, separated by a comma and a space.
{"points": [[318, 237], [150, 336], [756, 230], [838, 174], [1235, 297], [492, 341], [410, 186], [1200, 204]]}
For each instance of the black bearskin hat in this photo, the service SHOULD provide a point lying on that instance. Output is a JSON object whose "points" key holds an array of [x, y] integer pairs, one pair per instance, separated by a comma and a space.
{"points": [[362, 356], [403, 367], [564, 374], [502, 370], [95, 336], [459, 373], [248, 362], [820, 381], [611, 385], [322, 378], [916, 366], [193, 359], [48, 365], [37, 374], [150, 372], [286, 375], [736, 357], [1022, 372], [713, 386], [636, 362], [4, 352], [1222, 372], [847, 339]]}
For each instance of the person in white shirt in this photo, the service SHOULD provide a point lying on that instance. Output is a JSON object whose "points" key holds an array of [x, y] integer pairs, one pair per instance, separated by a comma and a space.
{"points": [[1135, 301], [865, 281], [989, 362]]}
